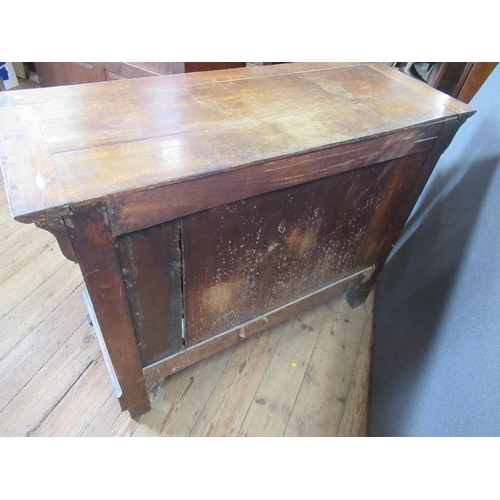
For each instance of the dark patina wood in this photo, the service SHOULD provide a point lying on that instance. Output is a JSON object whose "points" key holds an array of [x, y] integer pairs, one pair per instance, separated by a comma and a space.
{"points": [[135, 210], [73, 73], [408, 180], [151, 269], [232, 336], [191, 67], [205, 208]]}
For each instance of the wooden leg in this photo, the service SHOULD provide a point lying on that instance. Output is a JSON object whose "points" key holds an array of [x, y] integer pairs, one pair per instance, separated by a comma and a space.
{"points": [[95, 251], [411, 172]]}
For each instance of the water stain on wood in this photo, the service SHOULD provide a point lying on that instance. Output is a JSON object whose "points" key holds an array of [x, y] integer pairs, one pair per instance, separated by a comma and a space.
{"points": [[263, 252], [151, 271]]}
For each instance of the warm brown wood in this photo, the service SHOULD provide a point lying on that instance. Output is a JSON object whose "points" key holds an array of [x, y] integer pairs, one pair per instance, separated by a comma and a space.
{"points": [[437, 73], [191, 128], [133, 210], [174, 83], [267, 251], [191, 67], [150, 263], [94, 321], [232, 336], [460, 80], [70, 73], [96, 253], [205, 208], [475, 79], [407, 182], [421, 87], [63, 388], [39, 182], [139, 69]]}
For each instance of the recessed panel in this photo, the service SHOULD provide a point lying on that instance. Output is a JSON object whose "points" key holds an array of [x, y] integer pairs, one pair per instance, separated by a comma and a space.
{"points": [[247, 258]]}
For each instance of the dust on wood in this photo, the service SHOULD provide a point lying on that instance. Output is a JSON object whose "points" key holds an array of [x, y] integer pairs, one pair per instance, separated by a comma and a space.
{"points": [[264, 252]]}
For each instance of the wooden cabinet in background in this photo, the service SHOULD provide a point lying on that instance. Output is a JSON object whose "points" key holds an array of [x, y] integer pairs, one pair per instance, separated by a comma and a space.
{"points": [[70, 73]]}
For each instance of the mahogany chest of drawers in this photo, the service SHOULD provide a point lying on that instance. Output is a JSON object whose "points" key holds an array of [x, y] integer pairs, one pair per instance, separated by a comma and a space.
{"points": [[204, 208]]}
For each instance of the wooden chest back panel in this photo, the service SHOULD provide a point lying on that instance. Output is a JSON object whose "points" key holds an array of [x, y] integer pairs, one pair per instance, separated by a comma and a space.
{"points": [[249, 257], [151, 270]]}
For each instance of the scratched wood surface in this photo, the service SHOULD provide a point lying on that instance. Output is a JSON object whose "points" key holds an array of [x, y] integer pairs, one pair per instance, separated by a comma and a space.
{"points": [[267, 251], [91, 141], [53, 381], [151, 269]]}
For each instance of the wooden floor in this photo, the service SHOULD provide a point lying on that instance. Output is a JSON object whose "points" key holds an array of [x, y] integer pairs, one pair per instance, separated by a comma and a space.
{"points": [[307, 377]]}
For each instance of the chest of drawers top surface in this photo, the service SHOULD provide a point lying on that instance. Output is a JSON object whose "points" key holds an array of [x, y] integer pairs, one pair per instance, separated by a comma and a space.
{"points": [[69, 145]]}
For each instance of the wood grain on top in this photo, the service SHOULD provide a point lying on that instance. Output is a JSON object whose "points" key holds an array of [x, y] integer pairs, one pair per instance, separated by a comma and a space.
{"points": [[68, 145]]}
